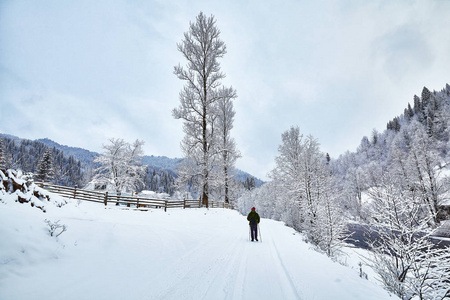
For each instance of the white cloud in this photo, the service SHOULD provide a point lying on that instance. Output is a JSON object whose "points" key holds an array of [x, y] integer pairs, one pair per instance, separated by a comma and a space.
{"points": [[80, 72]]}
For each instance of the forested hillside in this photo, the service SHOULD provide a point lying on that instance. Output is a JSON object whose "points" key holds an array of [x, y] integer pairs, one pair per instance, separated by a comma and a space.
{"points": [[415, 147], [75, 166], [26, 155]]}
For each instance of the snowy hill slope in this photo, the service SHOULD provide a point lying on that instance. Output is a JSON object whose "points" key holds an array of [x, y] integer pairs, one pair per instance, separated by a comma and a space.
{"points": [[110, 253]]}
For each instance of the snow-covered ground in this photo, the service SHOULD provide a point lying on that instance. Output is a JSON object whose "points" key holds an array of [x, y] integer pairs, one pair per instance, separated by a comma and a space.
{"points": [[112, 253]]}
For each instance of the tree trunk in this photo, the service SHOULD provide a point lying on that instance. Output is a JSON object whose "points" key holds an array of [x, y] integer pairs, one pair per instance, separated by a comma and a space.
{"points": [[205, 195], [225, 169]]}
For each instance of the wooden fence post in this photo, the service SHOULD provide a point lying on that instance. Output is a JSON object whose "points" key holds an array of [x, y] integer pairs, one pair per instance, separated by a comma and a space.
{"points": [[165, 205], [75, 192], [106, 198], [184, 203], [137, 203]]}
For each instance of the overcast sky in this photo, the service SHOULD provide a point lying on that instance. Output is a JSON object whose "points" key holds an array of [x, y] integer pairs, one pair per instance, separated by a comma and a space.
{"points": [[81, 72]]}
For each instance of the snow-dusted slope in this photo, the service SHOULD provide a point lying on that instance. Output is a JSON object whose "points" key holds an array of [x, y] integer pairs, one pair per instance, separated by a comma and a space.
{"points": [[110, 253]]}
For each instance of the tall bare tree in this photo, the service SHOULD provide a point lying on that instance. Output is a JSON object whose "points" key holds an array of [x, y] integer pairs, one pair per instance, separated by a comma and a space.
{"points": [[226, 145], [201, 47]]}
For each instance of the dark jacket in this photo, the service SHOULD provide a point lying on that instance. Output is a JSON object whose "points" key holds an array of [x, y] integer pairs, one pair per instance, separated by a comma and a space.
{"points": [[253, 218]]}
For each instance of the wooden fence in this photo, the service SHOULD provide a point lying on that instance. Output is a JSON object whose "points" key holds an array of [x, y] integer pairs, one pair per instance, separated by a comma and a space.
{"points": [[138, 202]]}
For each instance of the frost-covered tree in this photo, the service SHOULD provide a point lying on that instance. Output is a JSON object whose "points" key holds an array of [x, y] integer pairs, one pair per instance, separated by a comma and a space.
{"points": [[402, 254], [202, 48], [332, 229], [45, 168], [354, 186], [189, 178], [423, 171], [323, 219], [439, 128], [120, 166], [2, 155], [226, 146], [268, 199], [310, 196], [235, 190], [288, 170]]}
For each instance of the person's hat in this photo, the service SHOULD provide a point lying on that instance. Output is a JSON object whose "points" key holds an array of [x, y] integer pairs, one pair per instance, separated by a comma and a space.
{"points": [[253, 208]]}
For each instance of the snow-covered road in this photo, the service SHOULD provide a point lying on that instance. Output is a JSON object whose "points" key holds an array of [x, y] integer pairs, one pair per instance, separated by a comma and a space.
{"points": [[232, 267], [182, 254]]}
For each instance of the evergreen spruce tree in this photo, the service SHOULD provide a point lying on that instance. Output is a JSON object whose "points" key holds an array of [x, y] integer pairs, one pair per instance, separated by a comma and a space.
{"points": [[417, 104], [154, 184], [418, 111], [250, 183], [45, 169], [406, 115], [389, 126], [426, 97], [397, 124], [410, 111]]}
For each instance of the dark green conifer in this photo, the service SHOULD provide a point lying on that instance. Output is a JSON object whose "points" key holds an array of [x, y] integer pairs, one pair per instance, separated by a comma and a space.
{"points": [[45, 170]]}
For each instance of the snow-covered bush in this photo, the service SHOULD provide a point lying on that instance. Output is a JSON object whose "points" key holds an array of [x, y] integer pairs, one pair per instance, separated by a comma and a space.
{"points": [[16, 186], [54, 228]]}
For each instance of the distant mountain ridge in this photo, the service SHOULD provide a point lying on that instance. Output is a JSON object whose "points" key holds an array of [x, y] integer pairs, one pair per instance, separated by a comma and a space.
{"points": [[83, 155], [161, 162], [87, 157]]}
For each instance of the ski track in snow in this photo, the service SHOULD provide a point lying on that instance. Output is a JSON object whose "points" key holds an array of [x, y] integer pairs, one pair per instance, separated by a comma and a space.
{"points": [[238, 267], [182, 254], [285, 272]]}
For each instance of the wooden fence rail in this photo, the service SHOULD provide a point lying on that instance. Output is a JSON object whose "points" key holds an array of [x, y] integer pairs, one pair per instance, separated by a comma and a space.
{"points": [[129, 201]]}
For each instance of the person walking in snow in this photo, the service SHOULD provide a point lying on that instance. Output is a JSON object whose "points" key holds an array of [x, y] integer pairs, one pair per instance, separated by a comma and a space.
{"points": [[253, 219]]}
